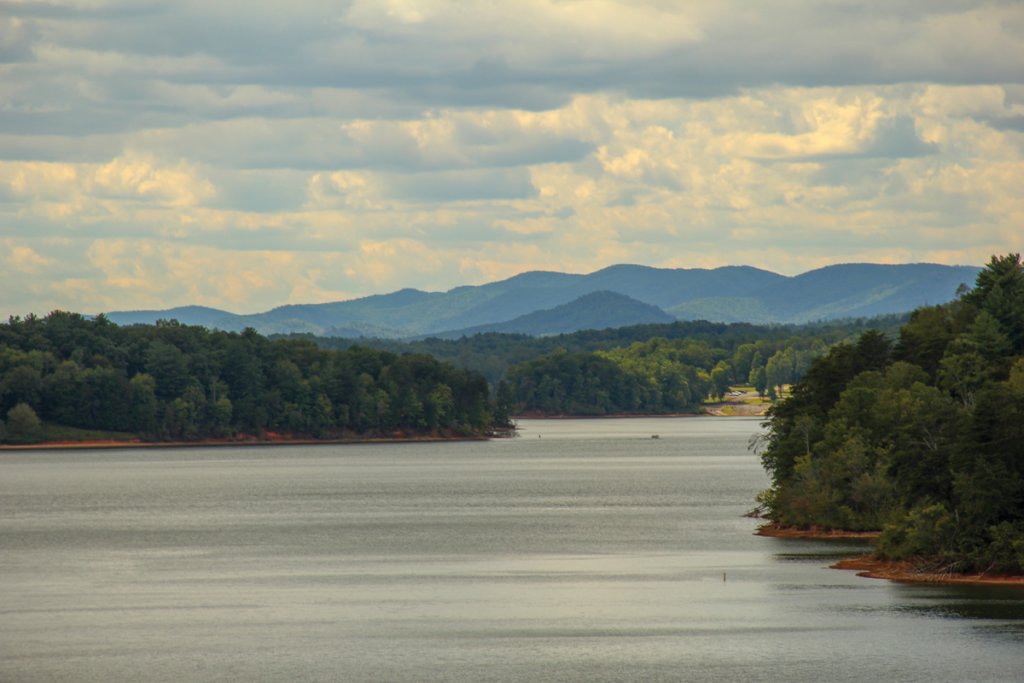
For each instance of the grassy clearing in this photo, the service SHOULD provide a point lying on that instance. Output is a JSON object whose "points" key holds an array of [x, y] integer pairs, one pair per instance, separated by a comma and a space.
{"points": [[53, 432]]}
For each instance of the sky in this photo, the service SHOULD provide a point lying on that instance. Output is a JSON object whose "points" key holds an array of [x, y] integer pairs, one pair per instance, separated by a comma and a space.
{"points": [[245, 154]]}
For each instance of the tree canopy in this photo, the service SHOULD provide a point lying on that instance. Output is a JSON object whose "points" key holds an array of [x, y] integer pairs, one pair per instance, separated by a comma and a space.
{"points": [[174, 382], [493, 353], [922, 439]]}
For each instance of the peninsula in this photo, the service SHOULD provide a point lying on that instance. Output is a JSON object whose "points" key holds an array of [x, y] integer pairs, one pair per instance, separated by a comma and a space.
{"points": [[920, 440], [67, 379]]}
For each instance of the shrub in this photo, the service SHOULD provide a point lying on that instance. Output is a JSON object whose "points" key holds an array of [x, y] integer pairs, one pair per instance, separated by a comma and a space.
{"points": [[23, 425]]}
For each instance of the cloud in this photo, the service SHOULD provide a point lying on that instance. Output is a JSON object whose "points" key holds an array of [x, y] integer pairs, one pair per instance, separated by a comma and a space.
{"points": [[248, 154], [260, 191], [453, 186], [137, 177]]}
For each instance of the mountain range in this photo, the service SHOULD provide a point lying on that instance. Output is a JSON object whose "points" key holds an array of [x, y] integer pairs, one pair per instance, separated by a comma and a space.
{"points": [[541, 302]]}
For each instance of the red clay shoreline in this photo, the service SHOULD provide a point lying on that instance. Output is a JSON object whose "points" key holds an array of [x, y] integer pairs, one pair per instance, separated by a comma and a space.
{"points": [[812, 532], [94, 444], [869, 566], [905, 572]]}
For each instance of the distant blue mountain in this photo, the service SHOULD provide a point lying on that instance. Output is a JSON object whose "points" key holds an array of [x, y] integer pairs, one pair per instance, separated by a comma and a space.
{"points": [[191, 315], [594, 311], [728, 294]]}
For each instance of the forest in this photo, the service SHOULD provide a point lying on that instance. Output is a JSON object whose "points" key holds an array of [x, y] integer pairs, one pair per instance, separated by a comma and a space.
{"points": [[638, 369], [651, 377], [921, 437], [64, 373], [493, 353], [68, 377]]}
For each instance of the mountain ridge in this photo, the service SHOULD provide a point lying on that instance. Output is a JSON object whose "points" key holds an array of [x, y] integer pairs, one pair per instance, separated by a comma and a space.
{"points": [[724, 294], [593, 311]]}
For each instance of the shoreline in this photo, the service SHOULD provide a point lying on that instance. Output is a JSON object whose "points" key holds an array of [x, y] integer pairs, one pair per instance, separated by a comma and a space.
{"points": [[730, 406], [903, 571], [280, 440], [100, 444], [609, 416], [813, 533], [871, 567], [620, 416]]}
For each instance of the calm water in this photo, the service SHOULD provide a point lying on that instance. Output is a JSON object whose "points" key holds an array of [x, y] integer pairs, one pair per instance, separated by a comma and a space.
{"points": [[581, 551]]}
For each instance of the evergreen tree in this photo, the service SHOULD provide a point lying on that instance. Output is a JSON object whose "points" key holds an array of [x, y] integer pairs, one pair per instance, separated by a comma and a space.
{"points": [[929, 448]]}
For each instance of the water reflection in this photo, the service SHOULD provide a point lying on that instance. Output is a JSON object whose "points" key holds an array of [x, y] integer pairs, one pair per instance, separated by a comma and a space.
{"points": [[967, 602], [593, 553]]}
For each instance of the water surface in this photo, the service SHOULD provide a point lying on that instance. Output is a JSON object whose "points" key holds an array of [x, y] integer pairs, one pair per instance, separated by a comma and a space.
{"points": [[584, 550]]}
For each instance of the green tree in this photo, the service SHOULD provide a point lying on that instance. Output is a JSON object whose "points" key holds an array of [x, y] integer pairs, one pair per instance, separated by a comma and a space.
{"points": [[168, 366], [758, 379], [929, 448], [720, 376], [923, 340], [21, 384], [742, 361], [22, 425], [441, 405], [999, 290], [144, 405]]}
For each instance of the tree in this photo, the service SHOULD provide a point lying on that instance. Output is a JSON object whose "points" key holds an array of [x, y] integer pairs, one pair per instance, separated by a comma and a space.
{"points": [[929, 448], [21, 384], [720, 376], [923, 340], [23, 425], [758, 379], [999, 290], [144, 406], [962, 374], [503, 405], [168, 366], [441, 404], [190, 383], [743, 361]]}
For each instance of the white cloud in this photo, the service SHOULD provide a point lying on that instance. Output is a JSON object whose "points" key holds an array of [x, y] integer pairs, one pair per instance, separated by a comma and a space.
{"points": [[248, 154], [22, 259], [139, 177]]}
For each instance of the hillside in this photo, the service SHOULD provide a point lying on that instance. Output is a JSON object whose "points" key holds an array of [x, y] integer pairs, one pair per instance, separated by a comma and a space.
{"points": [[727, 294], [595, 311]]}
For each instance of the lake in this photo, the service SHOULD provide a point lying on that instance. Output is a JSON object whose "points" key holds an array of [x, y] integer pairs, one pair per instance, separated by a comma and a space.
{"points": [[583, 550]]}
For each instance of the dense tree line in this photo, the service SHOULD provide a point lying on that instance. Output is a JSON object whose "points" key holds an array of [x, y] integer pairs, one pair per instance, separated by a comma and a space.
{"points": [[650, 368], [658, 375], [170, 381], [922, 438], [493, 353]]}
